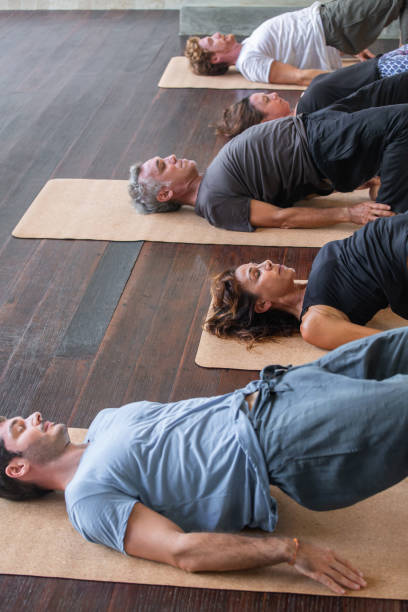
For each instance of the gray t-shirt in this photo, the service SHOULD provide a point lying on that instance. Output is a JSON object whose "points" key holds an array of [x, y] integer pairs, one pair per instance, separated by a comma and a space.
{"points": [[268, 162], [198, 462]]}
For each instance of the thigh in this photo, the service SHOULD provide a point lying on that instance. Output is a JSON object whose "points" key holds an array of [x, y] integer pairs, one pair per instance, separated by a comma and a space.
{"points": [[331, 441], [348, 148], [383, 92], [393, 169], [327, 88], [352, 25]]}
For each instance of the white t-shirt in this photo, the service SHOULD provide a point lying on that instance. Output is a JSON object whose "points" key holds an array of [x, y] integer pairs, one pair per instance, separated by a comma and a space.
{"points": [[295, 38]]}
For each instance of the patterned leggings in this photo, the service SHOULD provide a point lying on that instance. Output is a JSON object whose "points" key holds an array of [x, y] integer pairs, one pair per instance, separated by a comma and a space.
{"points": [[393, 62]]}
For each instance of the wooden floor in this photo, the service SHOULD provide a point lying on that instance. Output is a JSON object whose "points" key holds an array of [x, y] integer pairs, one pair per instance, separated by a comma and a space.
{"points": [[87, 325]]}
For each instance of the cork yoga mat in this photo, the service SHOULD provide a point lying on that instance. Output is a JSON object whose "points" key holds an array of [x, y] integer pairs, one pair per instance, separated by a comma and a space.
{"points": [[179, 75], [215, 352], [102, 210], [38, 540]]}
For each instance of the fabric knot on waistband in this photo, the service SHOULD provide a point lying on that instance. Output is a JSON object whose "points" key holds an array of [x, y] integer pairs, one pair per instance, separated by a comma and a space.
{"points": [[271, 372]]}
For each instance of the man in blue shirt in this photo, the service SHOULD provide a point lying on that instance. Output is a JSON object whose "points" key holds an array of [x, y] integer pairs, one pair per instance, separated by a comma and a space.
{"points": [[168, 481]]}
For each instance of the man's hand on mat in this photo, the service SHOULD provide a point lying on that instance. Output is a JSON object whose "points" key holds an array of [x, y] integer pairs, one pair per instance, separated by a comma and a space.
{"points": [[364, 55], [325, 566], [368, 211]]}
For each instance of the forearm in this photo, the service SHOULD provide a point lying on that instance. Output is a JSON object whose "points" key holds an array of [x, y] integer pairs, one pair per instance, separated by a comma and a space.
{"points": [[305, 77], [199, 552], [298, 217], [354, 332], [287, 73]]}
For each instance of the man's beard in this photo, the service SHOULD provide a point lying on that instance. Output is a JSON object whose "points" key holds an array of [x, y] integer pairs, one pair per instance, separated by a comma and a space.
{"points": [[45, 450]]}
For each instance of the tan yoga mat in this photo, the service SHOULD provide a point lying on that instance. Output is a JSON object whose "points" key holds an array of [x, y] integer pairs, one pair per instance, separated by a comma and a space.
{"points": [[38, 540], [215, 352], [179, 75], [102, 210]]}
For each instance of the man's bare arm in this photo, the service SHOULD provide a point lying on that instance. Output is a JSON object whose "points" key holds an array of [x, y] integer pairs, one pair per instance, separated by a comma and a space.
{"points": [[286, 73], [263, 214], [152, 536]]}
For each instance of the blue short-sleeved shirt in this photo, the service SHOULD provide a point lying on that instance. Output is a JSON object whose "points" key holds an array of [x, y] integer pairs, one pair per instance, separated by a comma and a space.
{"points": [[198, 462]]}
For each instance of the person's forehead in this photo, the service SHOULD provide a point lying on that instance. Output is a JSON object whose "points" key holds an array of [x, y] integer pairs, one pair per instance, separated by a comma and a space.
{"points": [[256, 97], [4, 423], [147, 167], [241, 272]]}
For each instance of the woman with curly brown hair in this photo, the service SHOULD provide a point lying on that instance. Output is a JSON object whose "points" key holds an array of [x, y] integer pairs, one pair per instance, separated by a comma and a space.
{"points": [[254, 109], [350, 281]]}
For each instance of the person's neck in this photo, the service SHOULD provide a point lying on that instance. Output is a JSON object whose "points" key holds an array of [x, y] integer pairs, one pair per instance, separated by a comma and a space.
{"points": [[189, 196], [58, 473], [231, 56], [292, 302]]}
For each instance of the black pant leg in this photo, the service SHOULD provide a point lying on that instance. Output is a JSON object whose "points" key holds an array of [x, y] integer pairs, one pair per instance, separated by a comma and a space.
{"points": [[351, 148], [352, 25], [384, 92], [394, 165], [327, 88]]}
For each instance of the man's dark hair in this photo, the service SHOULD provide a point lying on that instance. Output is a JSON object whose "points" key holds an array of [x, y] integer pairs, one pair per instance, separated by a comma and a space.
{"points": [[12, 488]]}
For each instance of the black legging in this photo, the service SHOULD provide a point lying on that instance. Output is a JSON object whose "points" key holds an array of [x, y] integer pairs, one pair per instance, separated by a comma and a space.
{"points": [[351, 143], [326, 88]]}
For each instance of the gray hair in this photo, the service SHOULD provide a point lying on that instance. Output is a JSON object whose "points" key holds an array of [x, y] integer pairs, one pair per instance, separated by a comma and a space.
{"points": [[144, 194]]}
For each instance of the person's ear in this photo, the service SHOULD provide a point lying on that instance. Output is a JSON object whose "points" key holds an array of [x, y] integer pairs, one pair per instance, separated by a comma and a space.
{"points": [[215, 59], [262, 306], [165, 194], [17, 468]]}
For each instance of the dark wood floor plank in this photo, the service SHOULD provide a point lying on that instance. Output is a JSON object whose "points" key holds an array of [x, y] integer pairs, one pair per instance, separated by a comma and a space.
{"points": [[58, 118], [59, 387], [14, 256], [39, 594], [95, 311], [33, 322], [123, 344], [45, 65]]}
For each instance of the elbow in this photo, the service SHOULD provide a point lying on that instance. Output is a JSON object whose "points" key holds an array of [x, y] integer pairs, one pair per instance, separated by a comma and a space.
{"points": [[302, 78], [312, 332], [304, 331], [308, 332], [284, 220], [182, 555], [187, 564]]}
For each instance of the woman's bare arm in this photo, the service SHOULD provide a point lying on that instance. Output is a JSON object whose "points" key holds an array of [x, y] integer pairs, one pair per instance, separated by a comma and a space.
{"points": [[328, 328]]}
